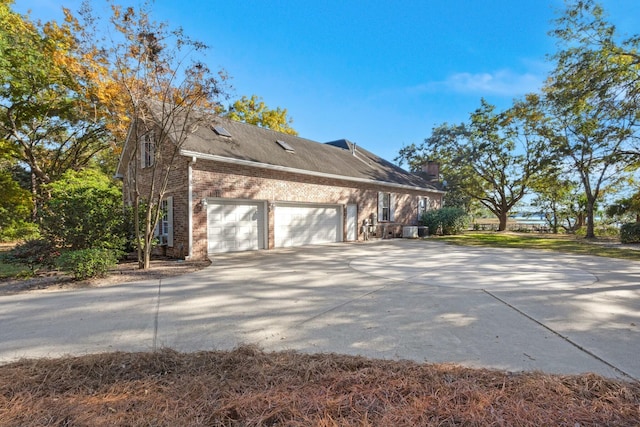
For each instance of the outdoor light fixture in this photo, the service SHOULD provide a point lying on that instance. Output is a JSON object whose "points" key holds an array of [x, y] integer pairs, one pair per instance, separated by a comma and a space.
{"points": [[203, 202]]}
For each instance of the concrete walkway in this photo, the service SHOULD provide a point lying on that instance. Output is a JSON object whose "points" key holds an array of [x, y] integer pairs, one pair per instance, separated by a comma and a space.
{"points": [[397, 299]]}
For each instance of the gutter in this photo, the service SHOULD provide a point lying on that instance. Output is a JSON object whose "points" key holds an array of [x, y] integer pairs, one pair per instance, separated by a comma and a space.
{"points": [[195, 155], [190, 209]]}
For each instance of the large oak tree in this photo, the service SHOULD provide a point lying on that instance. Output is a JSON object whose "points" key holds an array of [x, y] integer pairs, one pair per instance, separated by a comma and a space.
{"points": [[592, 101], [493, 158], [49, 120]]}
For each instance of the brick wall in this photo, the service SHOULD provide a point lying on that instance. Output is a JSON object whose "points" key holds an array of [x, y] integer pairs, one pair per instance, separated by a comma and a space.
{"points": [[177, 187], [229, 181], [217, 180]]}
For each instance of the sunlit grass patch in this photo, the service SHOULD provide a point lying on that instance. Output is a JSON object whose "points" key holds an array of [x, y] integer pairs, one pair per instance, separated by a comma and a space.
{"points": [[13, 270], [8, 269], [559, 243]]}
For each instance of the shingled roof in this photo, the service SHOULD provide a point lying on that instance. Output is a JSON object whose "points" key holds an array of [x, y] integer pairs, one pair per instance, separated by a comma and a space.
{"points": [[261, 147]]}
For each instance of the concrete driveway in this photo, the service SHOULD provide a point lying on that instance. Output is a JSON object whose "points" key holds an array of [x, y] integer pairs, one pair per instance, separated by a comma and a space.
{"points": [[396, 299]]}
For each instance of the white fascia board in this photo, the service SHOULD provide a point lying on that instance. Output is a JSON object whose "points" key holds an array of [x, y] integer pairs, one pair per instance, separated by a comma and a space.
{"points": [[250, 163], [119, 175]]}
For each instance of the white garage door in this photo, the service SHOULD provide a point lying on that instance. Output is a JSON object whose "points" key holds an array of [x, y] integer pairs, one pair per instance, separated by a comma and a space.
{"points": [[297, 225], [235, 226]]}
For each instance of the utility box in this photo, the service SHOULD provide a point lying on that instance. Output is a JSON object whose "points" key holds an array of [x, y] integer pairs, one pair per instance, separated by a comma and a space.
{"points": [[410, 232]]}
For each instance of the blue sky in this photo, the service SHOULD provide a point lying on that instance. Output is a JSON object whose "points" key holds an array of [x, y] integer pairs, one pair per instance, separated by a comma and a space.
{"points": [[379, 73]]}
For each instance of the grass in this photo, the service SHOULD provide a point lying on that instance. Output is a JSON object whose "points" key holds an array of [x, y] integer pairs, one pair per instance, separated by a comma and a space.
{"points": [[248, 387], [10, 270], [558, 243]]}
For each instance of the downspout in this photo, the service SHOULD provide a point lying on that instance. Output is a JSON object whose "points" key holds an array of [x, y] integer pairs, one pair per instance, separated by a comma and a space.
{"points": [[190, 207]]}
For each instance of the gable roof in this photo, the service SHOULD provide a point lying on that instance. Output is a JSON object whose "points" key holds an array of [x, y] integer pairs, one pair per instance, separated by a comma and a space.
{"points": [[260, 147]]}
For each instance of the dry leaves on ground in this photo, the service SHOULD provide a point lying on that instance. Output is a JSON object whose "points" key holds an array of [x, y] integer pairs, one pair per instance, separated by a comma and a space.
{"points": [[248, 387]]}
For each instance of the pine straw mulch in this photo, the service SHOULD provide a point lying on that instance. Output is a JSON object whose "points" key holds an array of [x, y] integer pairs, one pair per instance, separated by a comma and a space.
{"points": [[248, 387]]}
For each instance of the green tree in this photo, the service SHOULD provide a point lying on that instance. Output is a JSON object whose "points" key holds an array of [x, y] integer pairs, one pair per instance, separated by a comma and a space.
{"points": [[254, 111], [15, 207], [624, 207], [47, 119], [592, 101], [554, 197], [157, 78], [493, 159], [84, 211]]}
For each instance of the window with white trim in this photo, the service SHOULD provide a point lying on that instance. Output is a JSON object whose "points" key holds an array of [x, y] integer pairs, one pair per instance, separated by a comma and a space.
{"points": [[164, 230], [424, 204], [385, 206], [148, 150]]}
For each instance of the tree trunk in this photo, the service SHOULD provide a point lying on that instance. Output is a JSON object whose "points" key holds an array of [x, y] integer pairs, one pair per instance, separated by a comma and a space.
{"points": [[136, 227], [579, 221], [147, 260], [590, 221], [34, 193], [503, 217], [147, 238]]}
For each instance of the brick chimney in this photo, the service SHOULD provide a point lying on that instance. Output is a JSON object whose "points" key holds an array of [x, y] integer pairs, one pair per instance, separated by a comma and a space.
{"points": [[430, 171]]}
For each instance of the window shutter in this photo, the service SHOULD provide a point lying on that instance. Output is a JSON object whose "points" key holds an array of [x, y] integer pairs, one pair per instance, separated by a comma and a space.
{"points": [[158, 228], [392, 204], [170, 221], [380, 205]]}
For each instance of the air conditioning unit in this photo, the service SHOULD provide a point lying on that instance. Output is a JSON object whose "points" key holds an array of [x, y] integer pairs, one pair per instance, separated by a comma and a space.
{"points": [[410, 232]]}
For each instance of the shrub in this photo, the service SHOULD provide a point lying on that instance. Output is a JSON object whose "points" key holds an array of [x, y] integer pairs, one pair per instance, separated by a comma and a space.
{"points": [[448, 220], [84, 211], [88, 263], [15, 209], [630, 233], [599, 231], [19, 230], [607, 231], [34, 253]]}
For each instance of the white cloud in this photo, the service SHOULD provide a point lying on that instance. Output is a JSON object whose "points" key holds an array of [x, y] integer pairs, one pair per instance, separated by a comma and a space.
{"points": [[503, 83]]}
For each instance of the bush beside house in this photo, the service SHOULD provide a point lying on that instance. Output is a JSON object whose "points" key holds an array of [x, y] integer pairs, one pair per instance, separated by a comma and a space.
{"points": [[82, 227], [446, 221], [630, 233]]}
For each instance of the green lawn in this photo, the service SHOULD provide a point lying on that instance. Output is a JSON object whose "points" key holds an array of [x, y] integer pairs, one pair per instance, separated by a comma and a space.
{"points": [[11, 270], [559, 243]]}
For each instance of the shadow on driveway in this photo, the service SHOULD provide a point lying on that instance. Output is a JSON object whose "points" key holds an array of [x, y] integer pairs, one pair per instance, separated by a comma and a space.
{"points": [[397, 299]]}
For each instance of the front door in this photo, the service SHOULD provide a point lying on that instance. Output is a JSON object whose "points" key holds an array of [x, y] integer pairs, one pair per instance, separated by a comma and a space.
{"points": [[352, 223]]}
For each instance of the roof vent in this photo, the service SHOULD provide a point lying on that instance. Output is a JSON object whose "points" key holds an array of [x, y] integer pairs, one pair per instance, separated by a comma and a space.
{"points": [[221, 131], [287, 147]]}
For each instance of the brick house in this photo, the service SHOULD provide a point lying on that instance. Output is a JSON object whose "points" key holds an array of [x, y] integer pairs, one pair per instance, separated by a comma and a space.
{"points": [[235, 186]]}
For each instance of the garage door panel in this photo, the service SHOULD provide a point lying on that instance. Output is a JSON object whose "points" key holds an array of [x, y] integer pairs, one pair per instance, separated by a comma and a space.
{"points": [[304, 225], [215, 231], [235, 226], [229, 233]]}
